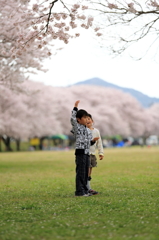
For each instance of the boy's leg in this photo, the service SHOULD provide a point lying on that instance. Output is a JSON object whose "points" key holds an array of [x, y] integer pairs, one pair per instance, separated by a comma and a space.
{"points": [[89, 178], [93, 163], [91, 157], [87, 171], [81, 172], [90, 170]]}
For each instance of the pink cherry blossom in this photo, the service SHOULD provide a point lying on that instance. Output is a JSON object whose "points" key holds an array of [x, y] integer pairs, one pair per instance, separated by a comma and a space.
{"points": [[44, 110], [28, 28], [112, 5]]}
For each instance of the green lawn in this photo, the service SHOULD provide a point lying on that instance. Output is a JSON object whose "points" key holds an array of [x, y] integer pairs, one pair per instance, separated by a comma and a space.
{"points": [[37, 196]]}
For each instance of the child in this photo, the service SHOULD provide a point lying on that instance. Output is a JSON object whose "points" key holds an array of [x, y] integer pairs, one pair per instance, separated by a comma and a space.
{"points": [[83, 136], [93, 159]]}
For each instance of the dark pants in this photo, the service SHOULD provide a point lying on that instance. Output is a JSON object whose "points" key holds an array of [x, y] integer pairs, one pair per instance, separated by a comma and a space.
{"points": [[82, 165]]}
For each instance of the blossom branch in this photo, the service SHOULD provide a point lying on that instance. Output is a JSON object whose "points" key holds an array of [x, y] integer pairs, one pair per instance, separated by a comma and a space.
{"points": [[49, 15]]}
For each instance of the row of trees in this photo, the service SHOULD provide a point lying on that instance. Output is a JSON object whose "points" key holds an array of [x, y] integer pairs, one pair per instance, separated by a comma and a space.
{"points": [[44, 110]]}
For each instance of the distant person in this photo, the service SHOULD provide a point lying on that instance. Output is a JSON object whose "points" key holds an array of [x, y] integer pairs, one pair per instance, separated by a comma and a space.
{"points": [[98, 145], [83, 138]]}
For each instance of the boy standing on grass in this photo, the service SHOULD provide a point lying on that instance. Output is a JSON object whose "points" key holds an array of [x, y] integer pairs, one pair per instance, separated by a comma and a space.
{"points": [[99, 146], [83, 137]]}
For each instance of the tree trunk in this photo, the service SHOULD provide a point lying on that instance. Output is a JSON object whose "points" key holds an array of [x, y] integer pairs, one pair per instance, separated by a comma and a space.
{"points": [[41, 143], [0, 144], [7, 143], [144, 140], [18, 144]]}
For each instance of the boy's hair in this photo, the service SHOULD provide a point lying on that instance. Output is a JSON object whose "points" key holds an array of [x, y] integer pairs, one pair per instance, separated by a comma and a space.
{"points": [[81, 113], [89, 115]]}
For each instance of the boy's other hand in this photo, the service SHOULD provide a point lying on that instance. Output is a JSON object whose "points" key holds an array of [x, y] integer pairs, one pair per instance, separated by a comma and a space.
{"points": [[76, 103], [101, 157], [95, 139]]}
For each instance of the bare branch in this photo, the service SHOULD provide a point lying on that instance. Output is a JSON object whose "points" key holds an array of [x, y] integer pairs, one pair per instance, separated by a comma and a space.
{"points": [[49, 15]]}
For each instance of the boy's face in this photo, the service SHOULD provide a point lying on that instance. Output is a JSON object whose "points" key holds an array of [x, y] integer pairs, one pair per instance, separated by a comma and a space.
{"points": [[89, 122], [83, 120]]}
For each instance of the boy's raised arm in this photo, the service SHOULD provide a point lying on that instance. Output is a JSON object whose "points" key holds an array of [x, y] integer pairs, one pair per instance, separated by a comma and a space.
{"points": [[76, 103], [73, 116]]}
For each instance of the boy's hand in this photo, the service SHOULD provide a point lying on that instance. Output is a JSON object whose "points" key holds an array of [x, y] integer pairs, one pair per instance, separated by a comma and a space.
{"points": [[76, 103], [95, 139], [101, 157]]}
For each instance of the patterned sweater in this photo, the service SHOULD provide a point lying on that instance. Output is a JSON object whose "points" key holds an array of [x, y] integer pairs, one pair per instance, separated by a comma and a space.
{"points": [[98, 144], [83, 135]]}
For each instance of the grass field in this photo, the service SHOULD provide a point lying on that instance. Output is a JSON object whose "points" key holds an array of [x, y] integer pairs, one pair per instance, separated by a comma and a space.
{"points": [[37, 196]]}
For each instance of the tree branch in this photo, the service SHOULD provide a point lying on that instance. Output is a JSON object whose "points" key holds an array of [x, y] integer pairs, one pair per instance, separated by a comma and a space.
{"points": [[48, 20]]}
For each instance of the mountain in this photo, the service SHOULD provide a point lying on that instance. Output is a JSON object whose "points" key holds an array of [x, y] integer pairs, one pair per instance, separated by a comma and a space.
{"points": [[145, 100]]}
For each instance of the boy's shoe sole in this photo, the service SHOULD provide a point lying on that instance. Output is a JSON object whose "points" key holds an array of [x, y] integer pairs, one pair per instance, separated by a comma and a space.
{"points": [[85, 195], [93, 192]]}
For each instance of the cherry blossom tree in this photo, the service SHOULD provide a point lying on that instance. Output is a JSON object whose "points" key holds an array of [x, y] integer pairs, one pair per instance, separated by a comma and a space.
{"points": [[45, 110], [29, 114], [153, 123], [16, 62], [12, 116], [114, 111], [118, 113], [42, 109], [29, 28], [128, 22]]}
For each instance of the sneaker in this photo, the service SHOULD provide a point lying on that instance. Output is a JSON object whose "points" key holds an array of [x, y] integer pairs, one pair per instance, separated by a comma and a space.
{"points": [[93, 192], [87, 195], [84, 195]]}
